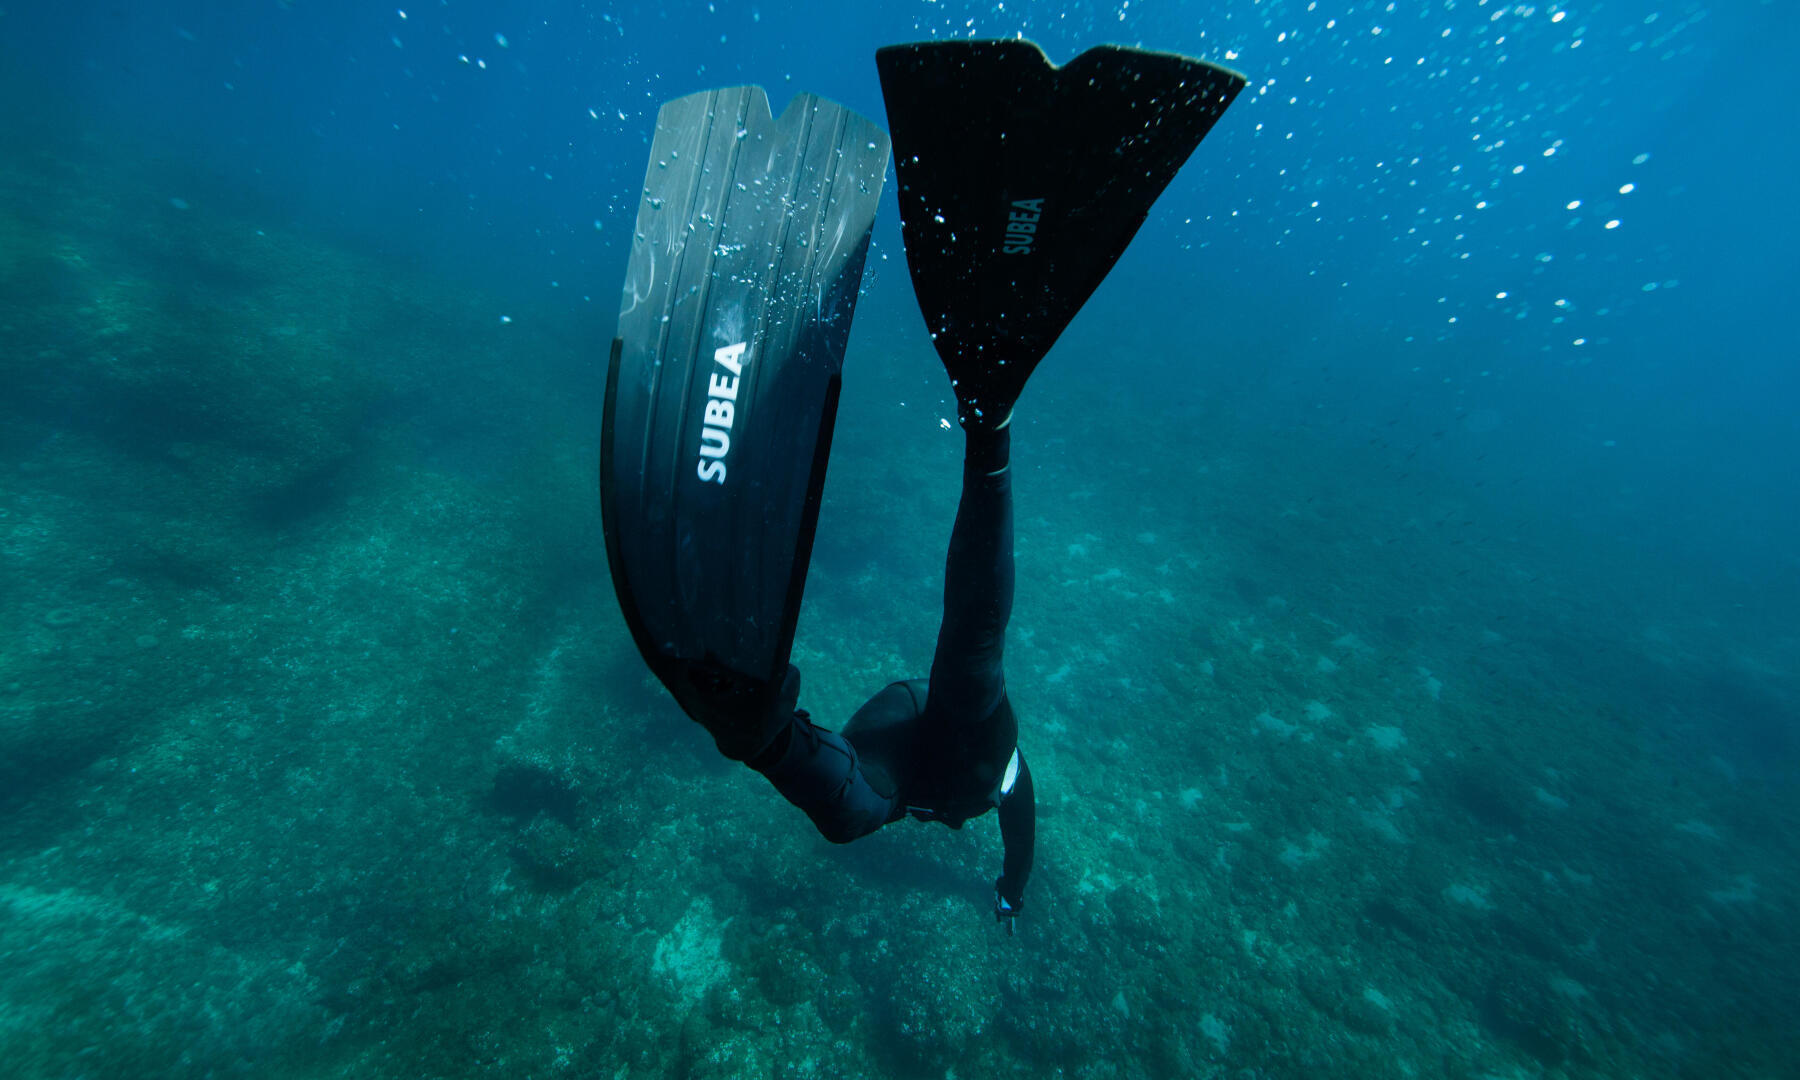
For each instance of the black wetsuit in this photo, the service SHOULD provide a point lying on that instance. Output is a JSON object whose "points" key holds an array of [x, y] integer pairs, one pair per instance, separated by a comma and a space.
{"points": [[937, 749]]}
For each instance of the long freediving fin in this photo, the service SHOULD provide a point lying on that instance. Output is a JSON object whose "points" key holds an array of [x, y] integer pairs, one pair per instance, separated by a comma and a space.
{"points": [[743, 278], [1021, 184]]}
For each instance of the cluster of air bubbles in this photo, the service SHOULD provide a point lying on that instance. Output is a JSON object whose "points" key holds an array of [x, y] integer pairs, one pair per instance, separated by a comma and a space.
{"points": [[1450, 152], [1486, 154]]}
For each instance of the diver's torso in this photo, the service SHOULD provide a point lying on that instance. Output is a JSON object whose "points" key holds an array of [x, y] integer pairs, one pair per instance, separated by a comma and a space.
{"points": [[946, 763]]}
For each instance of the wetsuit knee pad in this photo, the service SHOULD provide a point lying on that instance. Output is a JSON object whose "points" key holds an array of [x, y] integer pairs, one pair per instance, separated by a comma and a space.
{"points": [[818, 771]]}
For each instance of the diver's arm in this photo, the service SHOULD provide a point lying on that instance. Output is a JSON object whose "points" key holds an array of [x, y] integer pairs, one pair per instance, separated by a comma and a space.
{"points": [[1018, 832]]}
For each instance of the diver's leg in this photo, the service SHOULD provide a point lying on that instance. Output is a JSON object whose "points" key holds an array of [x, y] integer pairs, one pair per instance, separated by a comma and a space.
{"points": [[978, 580], [819, 771]]}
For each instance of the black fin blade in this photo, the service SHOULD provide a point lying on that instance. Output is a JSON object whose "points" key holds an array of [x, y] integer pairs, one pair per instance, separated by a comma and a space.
{"points": [[743, 278], [1021, 184]]}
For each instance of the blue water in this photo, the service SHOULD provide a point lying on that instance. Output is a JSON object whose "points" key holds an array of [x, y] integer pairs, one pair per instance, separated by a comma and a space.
{"points": [[1394, 184], [1405, 622]]}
